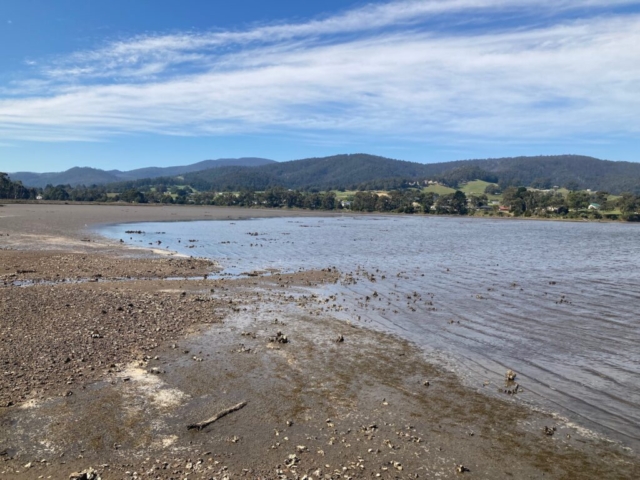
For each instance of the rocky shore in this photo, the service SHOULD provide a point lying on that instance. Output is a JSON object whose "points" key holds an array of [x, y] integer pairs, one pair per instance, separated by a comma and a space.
{"points": [[108, 354]]}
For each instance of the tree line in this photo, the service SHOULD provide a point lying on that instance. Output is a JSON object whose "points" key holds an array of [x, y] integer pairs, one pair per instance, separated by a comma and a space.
{"points": [[520, 201], [15, 190]]}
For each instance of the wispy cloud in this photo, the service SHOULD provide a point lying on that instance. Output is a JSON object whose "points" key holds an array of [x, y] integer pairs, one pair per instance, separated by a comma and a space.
{"points": [[392, 69]]}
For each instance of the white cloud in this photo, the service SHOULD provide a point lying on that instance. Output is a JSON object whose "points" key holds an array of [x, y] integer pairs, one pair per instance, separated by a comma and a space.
{"points": [[396, 77]]}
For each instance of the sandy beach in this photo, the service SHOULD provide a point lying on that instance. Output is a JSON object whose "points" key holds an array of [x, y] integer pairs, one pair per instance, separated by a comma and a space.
{"points": [[109, 352]]}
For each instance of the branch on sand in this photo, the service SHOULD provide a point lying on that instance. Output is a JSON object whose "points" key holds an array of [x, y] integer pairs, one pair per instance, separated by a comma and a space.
{"points": [[201, 425]]}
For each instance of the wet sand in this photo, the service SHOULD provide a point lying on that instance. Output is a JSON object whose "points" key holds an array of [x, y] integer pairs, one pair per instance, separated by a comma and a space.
{"points": [[106, 356]]}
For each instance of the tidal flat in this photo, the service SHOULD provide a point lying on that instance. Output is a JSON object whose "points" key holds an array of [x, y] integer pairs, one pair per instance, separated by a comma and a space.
{"points": [[110, 350]]}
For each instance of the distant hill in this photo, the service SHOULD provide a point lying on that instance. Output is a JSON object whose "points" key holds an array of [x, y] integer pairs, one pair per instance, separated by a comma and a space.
{"points": [[338, 171], [152, 172], [74, 176], [561, 170], [351, 171], [368, 171], [93, 176]]}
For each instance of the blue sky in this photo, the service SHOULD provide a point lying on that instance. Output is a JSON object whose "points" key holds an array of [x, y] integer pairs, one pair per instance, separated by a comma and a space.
{"points": [[127, 84]]}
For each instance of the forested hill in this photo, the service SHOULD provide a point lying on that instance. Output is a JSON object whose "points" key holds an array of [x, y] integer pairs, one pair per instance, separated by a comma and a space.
{"points": [[338, 171], [93, 176], [74, 176], [364, 172], [368, 171], [577, 171], [152, 172]]}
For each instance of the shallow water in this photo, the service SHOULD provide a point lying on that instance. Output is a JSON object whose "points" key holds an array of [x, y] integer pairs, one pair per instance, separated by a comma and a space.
{"points": [[556, 302]]}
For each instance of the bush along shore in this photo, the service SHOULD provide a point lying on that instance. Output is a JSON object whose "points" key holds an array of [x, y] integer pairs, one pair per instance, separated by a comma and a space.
{"points": [[412, 198]]}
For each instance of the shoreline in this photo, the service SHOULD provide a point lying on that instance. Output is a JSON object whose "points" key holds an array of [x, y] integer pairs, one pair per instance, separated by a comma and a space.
{"points": [[285, 212], [240, 321]]}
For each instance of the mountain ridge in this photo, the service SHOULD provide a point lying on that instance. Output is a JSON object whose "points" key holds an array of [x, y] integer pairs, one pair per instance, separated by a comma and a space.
{"points": [[89, 176], [365, 171]]}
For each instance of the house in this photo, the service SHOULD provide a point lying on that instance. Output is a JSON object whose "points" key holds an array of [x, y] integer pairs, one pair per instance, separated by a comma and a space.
{"points": [[494, 202], [504, 208], [345, 204], [39, 197], [594, 206]]}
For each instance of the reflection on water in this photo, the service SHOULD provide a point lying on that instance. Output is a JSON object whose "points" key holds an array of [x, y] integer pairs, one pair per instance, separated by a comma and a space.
{"points": [[556, 302]]}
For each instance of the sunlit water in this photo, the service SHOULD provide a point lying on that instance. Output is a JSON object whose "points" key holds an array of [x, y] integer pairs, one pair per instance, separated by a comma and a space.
{"points": [[557, 302]]}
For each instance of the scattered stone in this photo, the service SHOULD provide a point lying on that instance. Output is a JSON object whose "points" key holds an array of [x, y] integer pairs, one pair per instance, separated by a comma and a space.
{"points": [[292, 460], [279, 338], [88, 474]]}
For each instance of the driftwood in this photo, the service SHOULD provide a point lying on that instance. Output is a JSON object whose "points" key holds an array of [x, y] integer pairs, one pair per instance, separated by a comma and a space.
{"points": [[209, 421]]}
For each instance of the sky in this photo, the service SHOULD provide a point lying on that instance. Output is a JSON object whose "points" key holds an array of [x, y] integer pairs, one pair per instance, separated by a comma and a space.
{"points": [[127, 84]]}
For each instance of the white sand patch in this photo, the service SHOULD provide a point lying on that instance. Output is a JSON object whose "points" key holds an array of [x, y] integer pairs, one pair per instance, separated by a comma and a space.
{"points": [[33, 403], [151, 387], [168, 253], [168, 440]]}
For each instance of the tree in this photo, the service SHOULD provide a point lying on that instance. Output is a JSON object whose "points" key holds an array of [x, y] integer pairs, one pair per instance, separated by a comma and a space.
{"points": [[477, 201], [578, 200], [14, 190], [364, 202], [329, 201], [452, 204], [427, 200], [628, 203], [542, 183], [492, 189], [572, 186], [134, 196], [55, 193]]}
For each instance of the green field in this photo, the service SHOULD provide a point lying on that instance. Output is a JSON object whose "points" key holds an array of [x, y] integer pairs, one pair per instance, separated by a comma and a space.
{"points": [[475, 188], [438, 189]]}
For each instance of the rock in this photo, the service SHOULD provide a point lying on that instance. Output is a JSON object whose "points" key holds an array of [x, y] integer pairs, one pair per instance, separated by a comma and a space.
{"points": [[461, 469], [279, 338], [88, 474], [510, 375]]}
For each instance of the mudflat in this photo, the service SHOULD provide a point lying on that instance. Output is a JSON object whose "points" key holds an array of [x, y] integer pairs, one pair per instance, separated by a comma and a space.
{"points": [[109, 353]]}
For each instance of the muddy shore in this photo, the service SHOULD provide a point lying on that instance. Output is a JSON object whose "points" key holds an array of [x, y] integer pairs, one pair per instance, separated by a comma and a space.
{"points": [[108, 353]]}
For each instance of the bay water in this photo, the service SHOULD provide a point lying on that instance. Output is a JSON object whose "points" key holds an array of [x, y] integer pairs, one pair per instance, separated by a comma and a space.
{"points": [[557, 302]]}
